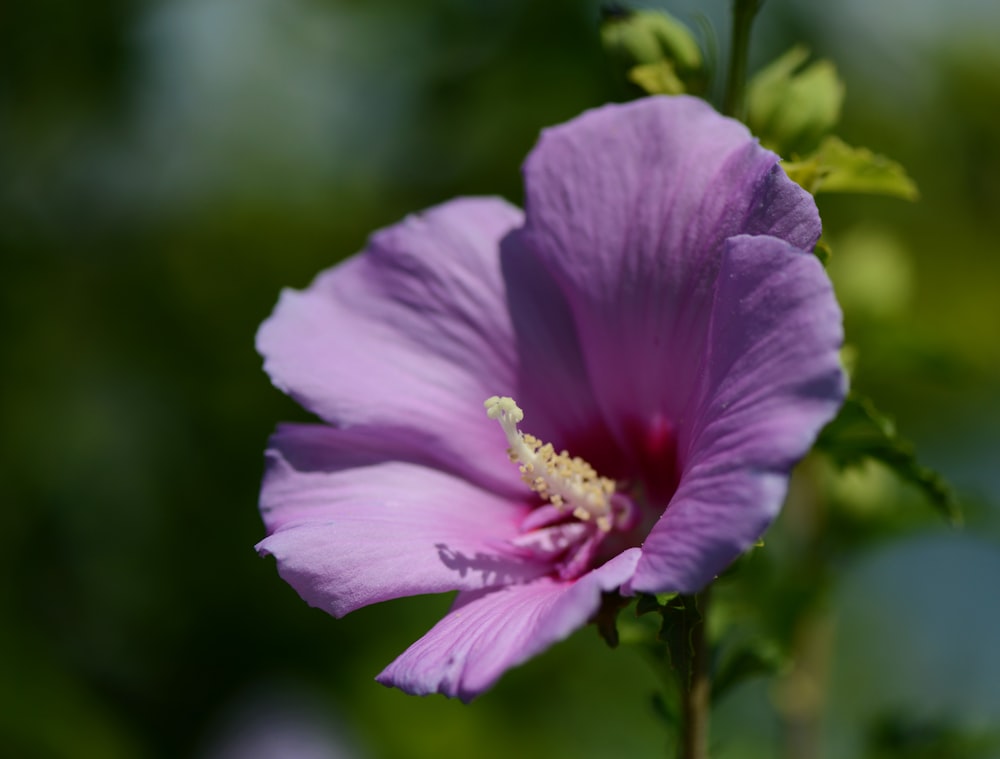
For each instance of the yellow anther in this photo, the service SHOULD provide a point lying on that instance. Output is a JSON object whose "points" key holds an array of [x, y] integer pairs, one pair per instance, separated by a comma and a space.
{"points": [[568, 483]]}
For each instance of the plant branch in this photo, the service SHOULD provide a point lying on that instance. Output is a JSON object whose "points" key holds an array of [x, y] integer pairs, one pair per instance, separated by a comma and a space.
{"points": [[696, 685], [743, 15]]}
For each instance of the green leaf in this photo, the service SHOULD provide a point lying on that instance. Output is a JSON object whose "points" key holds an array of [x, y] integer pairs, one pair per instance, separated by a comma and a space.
{"points": [[823, 251], [757, 660], [646, 604], [667, 712], [895, 735], [666, 598], [790, 106], [649, 603], [860, 431], [837, 167], [606, 617]]}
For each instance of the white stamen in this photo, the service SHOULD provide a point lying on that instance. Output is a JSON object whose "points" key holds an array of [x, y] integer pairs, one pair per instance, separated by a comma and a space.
{"points": [[568, 483]]}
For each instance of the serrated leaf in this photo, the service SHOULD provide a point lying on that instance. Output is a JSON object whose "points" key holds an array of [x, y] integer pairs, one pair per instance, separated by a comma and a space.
{"points": [[860, 431], [835, 166]]}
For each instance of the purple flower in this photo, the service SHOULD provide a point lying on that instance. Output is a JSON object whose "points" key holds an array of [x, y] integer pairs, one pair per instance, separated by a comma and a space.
{"points": [[673, 351]]}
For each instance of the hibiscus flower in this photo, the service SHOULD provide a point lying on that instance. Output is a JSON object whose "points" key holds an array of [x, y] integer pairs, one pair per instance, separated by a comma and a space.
{"points": [[654, 321]]}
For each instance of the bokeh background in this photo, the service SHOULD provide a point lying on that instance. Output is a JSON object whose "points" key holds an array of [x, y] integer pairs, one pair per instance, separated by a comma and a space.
{"points": [[166, 167]]}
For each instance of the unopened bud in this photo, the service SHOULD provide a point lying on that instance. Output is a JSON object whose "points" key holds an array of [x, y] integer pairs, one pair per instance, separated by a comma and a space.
{"points": [[652, 49], [790, 105]]}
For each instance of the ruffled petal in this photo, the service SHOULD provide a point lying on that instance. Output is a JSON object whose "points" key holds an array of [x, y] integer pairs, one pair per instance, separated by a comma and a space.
{"points": [[353, 518], [629, 206], [414, 333], [771, 378], [488, 632]]}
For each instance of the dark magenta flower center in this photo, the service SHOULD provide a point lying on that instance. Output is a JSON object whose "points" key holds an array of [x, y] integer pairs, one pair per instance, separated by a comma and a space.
{"points": [[582, 518]]}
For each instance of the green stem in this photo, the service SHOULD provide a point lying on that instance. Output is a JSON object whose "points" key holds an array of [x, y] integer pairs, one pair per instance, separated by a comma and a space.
{"points": [[743, 14], [696, 684]]}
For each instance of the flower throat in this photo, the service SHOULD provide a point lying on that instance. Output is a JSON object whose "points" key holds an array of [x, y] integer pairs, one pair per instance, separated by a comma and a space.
{"points": [[568, 483]]}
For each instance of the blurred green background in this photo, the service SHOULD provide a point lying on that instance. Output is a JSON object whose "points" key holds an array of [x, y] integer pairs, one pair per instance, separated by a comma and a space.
{"points": [[166, 167]]}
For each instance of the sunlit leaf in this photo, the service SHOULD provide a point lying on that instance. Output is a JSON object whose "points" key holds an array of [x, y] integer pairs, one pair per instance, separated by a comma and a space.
{"points": [[837, 167]]}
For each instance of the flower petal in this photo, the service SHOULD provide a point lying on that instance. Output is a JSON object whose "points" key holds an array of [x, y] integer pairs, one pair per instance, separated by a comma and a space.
{"points": [[352, 521], [629, 206], [553, 388], [771, 379], [414, 333], [488, 632]]}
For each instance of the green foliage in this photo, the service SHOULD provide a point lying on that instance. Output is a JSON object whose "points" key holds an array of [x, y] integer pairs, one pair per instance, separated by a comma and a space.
{"points": [[675, 647], [653, 50], [760, 657], [647, 604], [835, 166], [823, 252], [790, 106], [861, 432], [873, 275], [895, 736], [34, 688], [606, 618]]}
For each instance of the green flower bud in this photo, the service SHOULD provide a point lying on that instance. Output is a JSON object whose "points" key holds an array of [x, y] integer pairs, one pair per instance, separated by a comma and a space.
{"points": [[653, 50], [790, 106]]}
